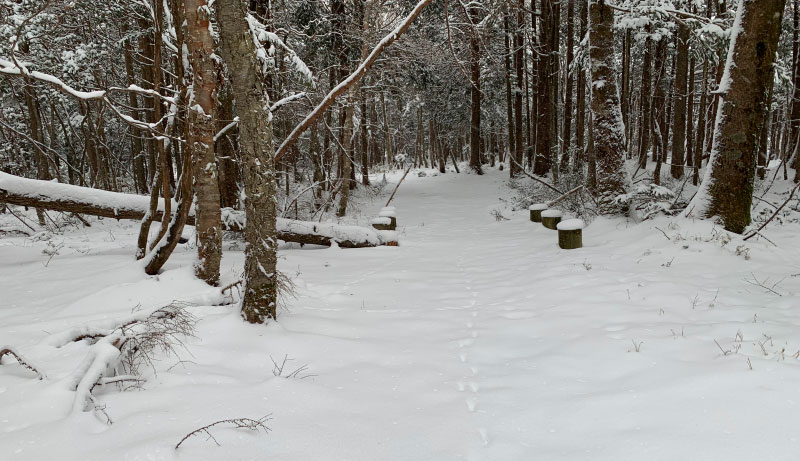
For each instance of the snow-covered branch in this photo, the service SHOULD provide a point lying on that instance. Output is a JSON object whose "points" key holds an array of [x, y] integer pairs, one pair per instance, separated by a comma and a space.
{"points": [[350, 80]]}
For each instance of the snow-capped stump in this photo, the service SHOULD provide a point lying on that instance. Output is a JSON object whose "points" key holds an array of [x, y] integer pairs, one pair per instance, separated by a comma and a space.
{"points": [[570, 234], [391, 213], [384, 224], [536, 211], [551, 218]]}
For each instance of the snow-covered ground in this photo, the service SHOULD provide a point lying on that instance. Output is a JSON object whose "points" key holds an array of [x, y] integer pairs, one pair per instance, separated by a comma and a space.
{"points": [[474, 339]]}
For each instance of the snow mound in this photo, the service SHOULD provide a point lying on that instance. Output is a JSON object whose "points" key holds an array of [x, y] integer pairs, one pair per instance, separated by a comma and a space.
{"points": [[552, 214]]}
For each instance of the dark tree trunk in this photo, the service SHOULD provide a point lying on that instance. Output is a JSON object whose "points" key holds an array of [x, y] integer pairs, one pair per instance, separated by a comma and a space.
{"points": [[727, 189], [545, 103], [580, 103], [608, 127], [512, 169], [475, 92], [518, 67], [567, 133], [679, 97], [646, 113]]}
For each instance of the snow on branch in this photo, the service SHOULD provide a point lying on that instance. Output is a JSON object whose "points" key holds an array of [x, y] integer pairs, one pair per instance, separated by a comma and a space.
{"points": [[350, 80], [286, 100], [262, 35], [272, 108], [10, 68], [131, 344]]}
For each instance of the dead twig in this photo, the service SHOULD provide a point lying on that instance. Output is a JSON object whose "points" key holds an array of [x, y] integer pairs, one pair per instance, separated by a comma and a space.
{"points": [[239, 423], [522, 170], [794, 189], [397, 186], [665, 234], [8, 350], [553, 202], [763, 284]]}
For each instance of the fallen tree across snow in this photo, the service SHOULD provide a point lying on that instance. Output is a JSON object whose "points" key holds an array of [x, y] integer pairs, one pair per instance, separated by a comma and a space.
{"points": [[15, 190]]}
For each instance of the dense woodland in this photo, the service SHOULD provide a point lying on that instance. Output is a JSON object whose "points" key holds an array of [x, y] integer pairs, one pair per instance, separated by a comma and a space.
{"points": [[399, 229], [280, 108]]}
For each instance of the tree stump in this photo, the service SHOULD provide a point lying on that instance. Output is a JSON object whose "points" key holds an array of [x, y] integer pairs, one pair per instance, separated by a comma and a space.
{"points": [[551, 218], [570, 234], [390, 213], [382, 224], [536, 211]]}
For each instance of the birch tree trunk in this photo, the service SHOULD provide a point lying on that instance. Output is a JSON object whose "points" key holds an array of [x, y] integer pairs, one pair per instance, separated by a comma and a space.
{"points": [[201, 139], [257, 150]]}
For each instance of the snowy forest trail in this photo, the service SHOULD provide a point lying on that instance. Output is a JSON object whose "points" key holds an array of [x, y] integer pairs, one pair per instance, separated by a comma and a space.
{"points": [[475, 339]]}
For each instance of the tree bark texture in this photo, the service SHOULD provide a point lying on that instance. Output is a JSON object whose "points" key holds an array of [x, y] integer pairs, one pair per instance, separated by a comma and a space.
{"points": [[727, 189], [608, 128]]}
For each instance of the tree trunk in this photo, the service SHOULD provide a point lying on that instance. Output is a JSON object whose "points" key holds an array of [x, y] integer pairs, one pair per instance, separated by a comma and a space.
{"points": [[546, 103], [201, 139], [137, 147], [679, 95], [567, 133], [365, 142], [727, 189], [690, 115], [646, 112], [475, 92], [609, 130], [580, 103], [227, 149], [513, 170], [518, 52], [255, 127]]}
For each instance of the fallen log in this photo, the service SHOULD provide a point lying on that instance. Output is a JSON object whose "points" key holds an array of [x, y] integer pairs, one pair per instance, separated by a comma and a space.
{"points": [[15, 190]]}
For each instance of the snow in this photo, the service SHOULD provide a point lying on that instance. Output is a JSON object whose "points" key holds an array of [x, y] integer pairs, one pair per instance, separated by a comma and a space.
{"points": [[537, 207], [10, 68], [384, 221], [552, 213], [570, 224], [474, 339], [388, 213]]}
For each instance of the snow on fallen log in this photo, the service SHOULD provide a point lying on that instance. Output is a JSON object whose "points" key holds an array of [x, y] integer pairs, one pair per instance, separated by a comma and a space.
{"points": [[55, 196]]}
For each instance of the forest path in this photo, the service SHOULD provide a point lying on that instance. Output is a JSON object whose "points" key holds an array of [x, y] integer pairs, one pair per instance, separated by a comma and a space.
{"points": [[475, 339], [498, 345]]}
